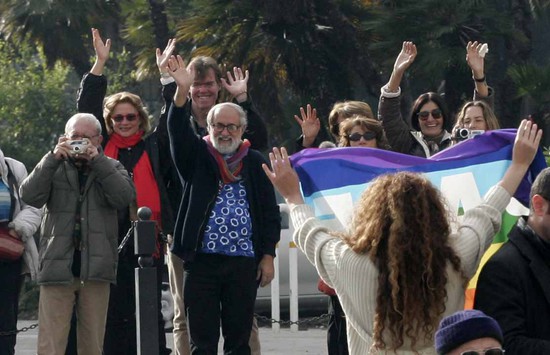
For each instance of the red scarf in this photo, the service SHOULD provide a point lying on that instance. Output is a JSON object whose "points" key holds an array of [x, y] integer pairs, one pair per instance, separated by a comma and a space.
{"points": [[147, 192], [230, 168]]}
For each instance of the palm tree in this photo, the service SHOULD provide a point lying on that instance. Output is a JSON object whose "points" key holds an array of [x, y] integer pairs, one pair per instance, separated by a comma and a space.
{"points": [[58, 26], [441, 30], [304, 51]]}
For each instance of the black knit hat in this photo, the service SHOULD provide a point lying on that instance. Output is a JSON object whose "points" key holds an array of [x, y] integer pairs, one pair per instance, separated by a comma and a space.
{"points": [[463, 326]]}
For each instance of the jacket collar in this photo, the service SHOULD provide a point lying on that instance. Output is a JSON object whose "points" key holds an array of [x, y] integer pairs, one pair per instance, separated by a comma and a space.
{"points": [[536, 254]]}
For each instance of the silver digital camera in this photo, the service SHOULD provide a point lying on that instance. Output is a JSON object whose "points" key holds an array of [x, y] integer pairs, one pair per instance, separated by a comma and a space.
{"points": [[78, 146], [465, 133]]}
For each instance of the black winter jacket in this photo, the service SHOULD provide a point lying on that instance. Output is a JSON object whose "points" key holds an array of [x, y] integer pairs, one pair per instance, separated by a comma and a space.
{"points": [[200, 178], [514, 288]]}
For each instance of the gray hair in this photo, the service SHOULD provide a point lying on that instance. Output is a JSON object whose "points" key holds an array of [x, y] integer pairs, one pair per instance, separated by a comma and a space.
{"points": [[217, 108], [87, 117]]}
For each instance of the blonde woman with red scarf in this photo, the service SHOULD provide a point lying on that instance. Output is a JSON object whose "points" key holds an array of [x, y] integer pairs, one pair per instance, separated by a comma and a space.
{"points": [[128, 138]]}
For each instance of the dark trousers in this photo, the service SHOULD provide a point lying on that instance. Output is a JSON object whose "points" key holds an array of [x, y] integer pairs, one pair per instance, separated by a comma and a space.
{"points": [[219, 288], [10, 286], [337, 340]]}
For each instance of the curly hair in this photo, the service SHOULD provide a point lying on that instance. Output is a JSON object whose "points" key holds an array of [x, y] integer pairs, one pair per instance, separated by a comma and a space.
{"points": [[401, 223], [129, 98], [345, 110], [367, 123]]}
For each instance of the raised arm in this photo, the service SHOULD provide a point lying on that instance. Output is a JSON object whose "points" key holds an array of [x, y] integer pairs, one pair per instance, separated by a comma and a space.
{"points": [[475, 57], [310, 124], [402, 63], [525, 147], [184, 78], [283, 177], [236, 85], [168, 91], [102, 50], [93, 86], [389, 108]]}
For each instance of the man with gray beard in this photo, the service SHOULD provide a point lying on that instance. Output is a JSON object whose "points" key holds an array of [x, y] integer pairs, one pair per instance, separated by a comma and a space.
{"points": [[228, 221]]}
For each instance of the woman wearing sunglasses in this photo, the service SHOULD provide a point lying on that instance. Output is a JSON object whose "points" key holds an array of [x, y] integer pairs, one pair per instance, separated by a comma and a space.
{"points": [[361, 131], [429, 116], [311, 126], [127, 137]]}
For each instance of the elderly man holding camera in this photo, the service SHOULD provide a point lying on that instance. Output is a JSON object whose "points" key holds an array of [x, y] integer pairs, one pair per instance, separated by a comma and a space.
{"points": [[81, 190]]}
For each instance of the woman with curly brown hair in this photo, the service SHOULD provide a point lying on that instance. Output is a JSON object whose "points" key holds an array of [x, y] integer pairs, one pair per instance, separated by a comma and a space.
{"points": [[399, 269]]}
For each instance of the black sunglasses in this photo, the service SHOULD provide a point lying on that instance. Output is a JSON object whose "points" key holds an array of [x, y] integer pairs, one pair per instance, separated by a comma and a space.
{"points": [[357, 136], [129, 117], [493, 351], [436, 113]]}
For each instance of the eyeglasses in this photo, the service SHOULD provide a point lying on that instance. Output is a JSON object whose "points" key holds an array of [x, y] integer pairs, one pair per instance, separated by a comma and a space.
{"points": [[129, 117], [219, 127], [436, 113], [492, 351], [357, 136]]}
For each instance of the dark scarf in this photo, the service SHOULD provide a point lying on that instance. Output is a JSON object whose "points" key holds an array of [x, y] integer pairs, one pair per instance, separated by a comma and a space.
{"points": [[230, 168]]}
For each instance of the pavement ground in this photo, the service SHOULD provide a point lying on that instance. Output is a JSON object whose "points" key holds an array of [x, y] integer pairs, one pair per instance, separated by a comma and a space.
{"points": [[311, 341]]}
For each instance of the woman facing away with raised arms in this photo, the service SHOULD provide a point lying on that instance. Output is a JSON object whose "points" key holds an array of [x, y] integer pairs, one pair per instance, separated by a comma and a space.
{"points": [[429, 115], [399, 270]]}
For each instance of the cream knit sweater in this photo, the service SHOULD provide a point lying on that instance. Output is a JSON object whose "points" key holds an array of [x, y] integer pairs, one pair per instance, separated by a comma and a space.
{"points": [[354, 276]]}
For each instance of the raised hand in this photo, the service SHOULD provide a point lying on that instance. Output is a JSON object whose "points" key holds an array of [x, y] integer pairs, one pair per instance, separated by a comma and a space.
{"points": [[474, 59], [525, 148], [406, 57], [527, 143], [283, 176], [183, 76], [102, 50], [164, 56], [309, 122], [236, 84]]}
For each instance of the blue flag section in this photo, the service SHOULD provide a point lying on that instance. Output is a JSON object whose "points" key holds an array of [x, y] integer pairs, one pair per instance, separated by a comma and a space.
{"points": [[333, 179]]}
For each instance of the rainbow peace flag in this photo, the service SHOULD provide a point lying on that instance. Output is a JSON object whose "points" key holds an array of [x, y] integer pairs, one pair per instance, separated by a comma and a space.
{"points": [[333, 179]]}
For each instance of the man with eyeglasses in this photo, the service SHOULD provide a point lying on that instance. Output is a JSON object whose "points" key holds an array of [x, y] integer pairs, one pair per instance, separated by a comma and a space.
{"points": [[469, 332], [205, 91], [228, 222], [80, 190], [514, 285]]}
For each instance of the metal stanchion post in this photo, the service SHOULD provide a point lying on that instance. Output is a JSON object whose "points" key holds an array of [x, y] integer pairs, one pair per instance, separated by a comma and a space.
{"points": [[146, 281]]}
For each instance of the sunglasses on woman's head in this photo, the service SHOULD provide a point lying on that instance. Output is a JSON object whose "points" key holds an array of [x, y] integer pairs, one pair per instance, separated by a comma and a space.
{"points": [[129, 117], [355, 137], [436, 113], [493, 351]]}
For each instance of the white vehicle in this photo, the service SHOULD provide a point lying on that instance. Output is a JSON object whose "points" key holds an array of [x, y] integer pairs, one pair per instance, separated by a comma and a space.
{"points": [[310, 299]]}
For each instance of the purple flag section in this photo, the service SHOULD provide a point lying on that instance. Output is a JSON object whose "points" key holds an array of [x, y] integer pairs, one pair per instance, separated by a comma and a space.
{"points": [[323, 169]]}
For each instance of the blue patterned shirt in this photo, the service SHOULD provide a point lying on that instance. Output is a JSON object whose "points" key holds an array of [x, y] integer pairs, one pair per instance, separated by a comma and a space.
{"points": [[229, 228]]}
